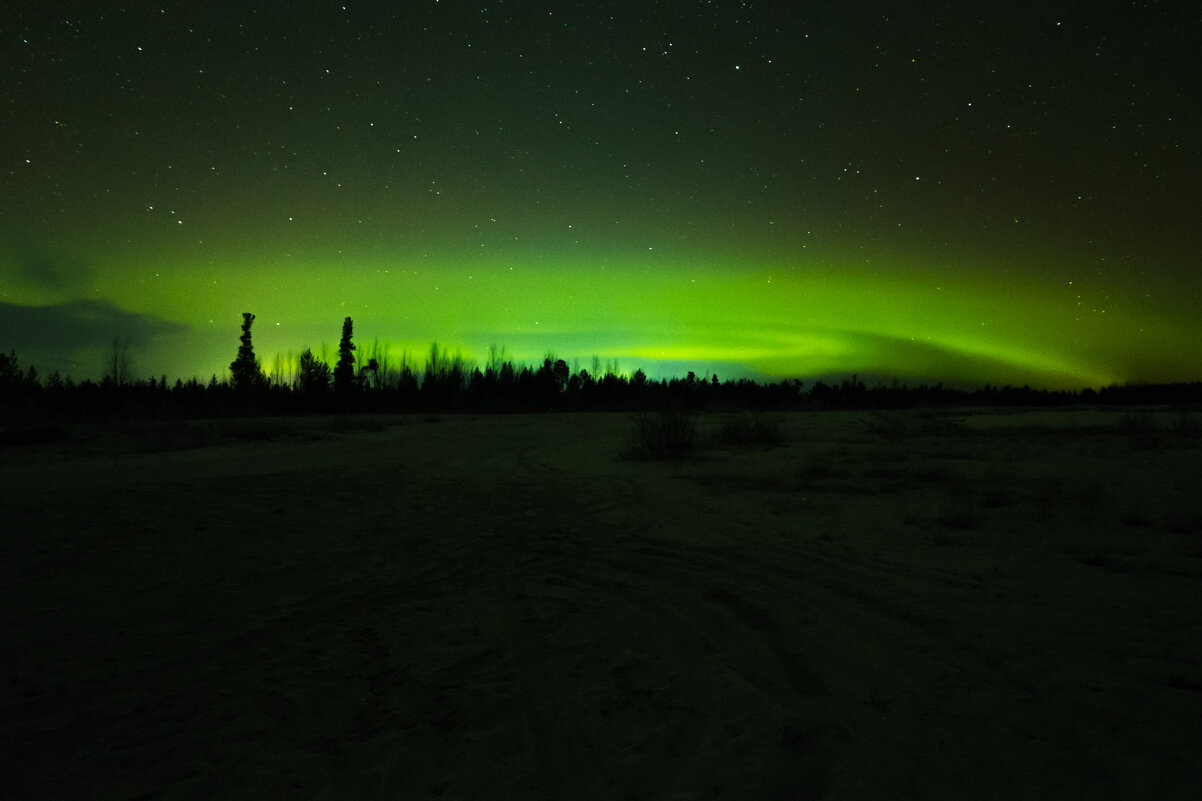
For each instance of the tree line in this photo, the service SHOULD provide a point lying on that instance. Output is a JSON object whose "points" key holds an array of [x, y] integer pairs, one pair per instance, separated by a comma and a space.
{"points": [[446, 382]]}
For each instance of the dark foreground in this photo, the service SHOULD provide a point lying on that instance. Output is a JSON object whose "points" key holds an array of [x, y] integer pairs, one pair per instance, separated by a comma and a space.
{"points": [[903, 605]]}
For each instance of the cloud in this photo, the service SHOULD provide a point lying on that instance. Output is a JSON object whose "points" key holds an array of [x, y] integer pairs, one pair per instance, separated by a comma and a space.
{"points": [[77, 325], [41, 269]]}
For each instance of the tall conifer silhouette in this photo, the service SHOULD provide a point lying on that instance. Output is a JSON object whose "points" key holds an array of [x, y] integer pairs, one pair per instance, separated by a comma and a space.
{"points": [[245, 368], [344, 371]]}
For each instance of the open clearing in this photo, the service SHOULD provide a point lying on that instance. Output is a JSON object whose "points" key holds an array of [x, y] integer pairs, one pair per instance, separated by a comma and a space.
{"points": [[906, 605]]}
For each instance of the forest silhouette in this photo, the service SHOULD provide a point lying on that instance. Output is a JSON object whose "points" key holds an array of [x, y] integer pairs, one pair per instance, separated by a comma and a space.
{"points": [[369, 380]]}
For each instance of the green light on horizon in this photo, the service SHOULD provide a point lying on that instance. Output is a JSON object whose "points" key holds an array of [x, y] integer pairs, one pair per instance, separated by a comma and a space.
{"points": [[778, 320]]}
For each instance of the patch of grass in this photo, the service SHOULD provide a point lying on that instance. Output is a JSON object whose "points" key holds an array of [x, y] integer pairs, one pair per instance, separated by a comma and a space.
{"points": [[667, 434], [1142, 426], [1184, 424], [744, 431], [1139, 421]]}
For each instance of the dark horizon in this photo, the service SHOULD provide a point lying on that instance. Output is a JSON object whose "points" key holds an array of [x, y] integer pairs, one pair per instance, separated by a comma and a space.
{"points": [[92, 320], [444, 382]]}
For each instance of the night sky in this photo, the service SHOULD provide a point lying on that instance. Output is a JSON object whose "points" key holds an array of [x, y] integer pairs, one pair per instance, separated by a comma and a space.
{"points": [[1004, 193]]}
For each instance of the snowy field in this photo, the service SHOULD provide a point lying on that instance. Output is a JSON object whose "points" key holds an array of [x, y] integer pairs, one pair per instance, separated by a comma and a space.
{"points": [[927, 604]]}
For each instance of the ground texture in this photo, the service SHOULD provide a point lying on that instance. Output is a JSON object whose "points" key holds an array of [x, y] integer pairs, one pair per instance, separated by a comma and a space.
{"points": [[907, 605]]}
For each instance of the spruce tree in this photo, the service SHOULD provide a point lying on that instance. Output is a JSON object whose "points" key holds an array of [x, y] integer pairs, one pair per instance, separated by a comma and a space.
{"points": [[344, 371], [245, 368], [314, 375]]}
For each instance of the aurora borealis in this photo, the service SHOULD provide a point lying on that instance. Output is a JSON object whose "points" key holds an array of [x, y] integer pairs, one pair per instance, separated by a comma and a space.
{"points": [[926, 191]]}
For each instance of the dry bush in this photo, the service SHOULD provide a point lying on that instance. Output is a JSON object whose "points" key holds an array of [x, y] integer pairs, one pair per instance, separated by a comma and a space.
{"points": [[1137, 421], [668, 434], [743, 431]]}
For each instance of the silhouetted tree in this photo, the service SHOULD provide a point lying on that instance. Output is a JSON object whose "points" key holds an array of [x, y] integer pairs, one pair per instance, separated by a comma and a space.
{"points": [[496, 357], [406, 383], [118, 361], [344, 371], [245, 368], [370, 372], [277, 370], [443, 368], [10, 372], [377, 364], [314, 375], [561, 373]]}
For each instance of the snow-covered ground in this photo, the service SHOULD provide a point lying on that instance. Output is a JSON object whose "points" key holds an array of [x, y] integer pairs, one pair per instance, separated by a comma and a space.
{"points": [[889, 605]]}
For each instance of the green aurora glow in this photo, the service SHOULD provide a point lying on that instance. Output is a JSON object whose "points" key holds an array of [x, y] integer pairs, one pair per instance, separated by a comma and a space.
{"points": [[731, 237]]}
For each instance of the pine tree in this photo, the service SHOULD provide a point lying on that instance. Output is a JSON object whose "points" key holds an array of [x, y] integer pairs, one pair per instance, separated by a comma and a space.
{"points": [[313, 375], [245, 368], [344, 371]]}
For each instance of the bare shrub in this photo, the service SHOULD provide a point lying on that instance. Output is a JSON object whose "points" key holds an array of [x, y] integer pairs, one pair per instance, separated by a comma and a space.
{"points": [[743, 431], [668, 434], [1141, 421]]}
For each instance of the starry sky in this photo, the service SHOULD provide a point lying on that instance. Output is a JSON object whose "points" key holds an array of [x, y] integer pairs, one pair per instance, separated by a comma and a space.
{"points": [[927, 191]]}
